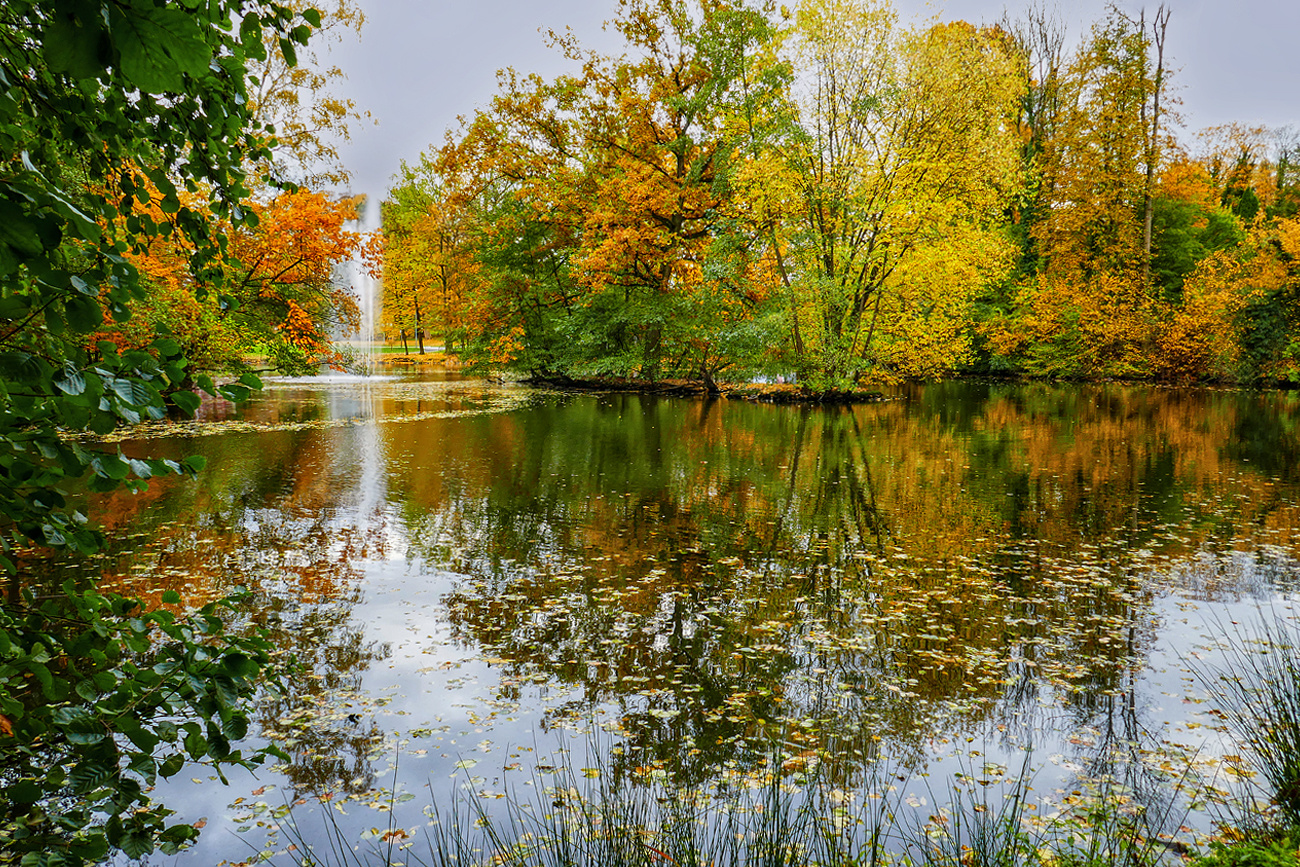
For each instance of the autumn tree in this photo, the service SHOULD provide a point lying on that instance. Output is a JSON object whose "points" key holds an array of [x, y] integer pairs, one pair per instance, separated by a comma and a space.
{"points": [[428, 265], [289, 304], [1039, 38], [281, 301], [1096, 168], [294, 99], [603, 208], [505, 181], [665, 132], [1287, 143], [898, 180], [1091, 308], [1236, 160], [1235, 318]]}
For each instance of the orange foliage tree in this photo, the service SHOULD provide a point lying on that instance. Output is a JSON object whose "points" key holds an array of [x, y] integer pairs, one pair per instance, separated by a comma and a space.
{"points": [[282, 302], [600, 206], [427, 264]]}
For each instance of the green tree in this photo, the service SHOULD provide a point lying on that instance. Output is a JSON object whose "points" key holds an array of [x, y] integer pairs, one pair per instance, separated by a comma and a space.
{"points": [[104, 103]]}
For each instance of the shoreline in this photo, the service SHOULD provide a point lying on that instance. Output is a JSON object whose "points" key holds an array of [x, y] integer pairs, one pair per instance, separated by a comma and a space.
{"points": [[783, 393]]}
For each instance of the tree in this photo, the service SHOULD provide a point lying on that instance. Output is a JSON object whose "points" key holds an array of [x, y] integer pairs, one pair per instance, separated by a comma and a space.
{"points": [[1236, 158], [1287, 143], [601, 207], [1091, 308], [103, 104], [282, 302], [1152, 128], [428, 266], [905, 153], [294, 102], [1096, 164], [1039, 38], [663, 132], [288, 302]]}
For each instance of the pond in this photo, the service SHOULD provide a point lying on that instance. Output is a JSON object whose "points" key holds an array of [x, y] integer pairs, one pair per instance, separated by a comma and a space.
{"points": [[487, 583]]}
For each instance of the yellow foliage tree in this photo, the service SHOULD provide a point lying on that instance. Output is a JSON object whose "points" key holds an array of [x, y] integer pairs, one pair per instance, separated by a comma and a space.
{"points": [[906, 154], [1201, 339], [1090, 309]]}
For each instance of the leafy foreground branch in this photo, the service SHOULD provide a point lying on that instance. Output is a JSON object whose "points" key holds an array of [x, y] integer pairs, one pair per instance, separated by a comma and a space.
{"points": [[99, 699], [122, 123]]}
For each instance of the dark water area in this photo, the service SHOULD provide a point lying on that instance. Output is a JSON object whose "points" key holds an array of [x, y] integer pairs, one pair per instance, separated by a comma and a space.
{"points": [[487, 583]]}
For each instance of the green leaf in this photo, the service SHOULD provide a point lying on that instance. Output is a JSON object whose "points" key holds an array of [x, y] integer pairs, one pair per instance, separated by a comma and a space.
{"points": [[290, 53], [73, 43], [133, 392], [167, 347], [84, 314], [250, 35], [88, 774], [171, 765], [111, 467], [72, 382], [136, 844], [18, 231], [171, 597], [141, 736], [187, 401], [234, 392], [23, 792], [196, 745], [159, 46], [79, 726], [236, 727]]}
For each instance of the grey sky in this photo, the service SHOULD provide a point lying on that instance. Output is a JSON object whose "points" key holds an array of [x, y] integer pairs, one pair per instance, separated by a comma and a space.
{"points": [[420, 64]]}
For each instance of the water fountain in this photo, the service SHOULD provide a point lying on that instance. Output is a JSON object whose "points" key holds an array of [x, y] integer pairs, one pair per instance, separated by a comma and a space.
{"points": [[368, 291]]}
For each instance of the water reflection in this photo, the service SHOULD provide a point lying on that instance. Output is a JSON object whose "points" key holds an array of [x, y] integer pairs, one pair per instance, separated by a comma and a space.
{"points": [[465, 569]]}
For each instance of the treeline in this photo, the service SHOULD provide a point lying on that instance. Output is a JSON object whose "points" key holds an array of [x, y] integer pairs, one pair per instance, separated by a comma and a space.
{"points": [[828, 193]]}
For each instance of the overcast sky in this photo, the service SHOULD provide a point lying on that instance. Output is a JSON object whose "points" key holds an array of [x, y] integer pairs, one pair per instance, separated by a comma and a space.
{"points": [[420, 64]]}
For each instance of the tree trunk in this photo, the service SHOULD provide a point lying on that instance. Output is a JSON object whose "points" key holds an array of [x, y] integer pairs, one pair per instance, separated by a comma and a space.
{"points": [[419, 328], [1158, 24]]}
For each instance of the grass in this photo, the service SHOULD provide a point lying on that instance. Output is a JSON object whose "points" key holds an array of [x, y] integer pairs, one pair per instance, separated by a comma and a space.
{"points": [[767, 817], [1257, 688]]}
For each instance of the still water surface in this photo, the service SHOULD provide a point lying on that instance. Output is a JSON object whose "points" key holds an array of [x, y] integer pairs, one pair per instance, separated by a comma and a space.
{"points": [[486, 580]]}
